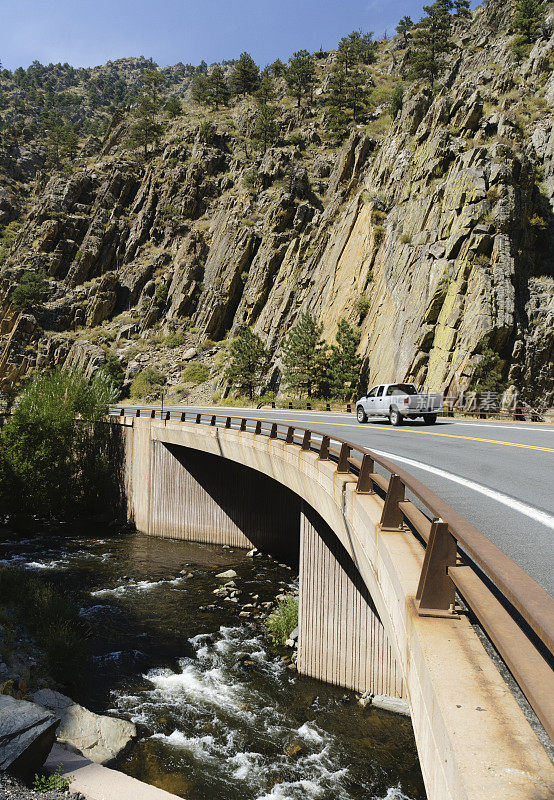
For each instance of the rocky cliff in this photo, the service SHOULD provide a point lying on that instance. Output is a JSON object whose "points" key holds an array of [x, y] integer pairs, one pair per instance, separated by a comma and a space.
{"points": [[433, 231]]}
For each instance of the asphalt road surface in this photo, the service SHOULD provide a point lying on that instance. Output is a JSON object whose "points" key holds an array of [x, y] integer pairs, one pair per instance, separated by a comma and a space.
{"points": [[499, 475]]}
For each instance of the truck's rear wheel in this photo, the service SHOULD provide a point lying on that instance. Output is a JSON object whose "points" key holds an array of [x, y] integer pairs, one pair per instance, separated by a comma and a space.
{"points": [[361, 415], [429, 419], [395, 417]]}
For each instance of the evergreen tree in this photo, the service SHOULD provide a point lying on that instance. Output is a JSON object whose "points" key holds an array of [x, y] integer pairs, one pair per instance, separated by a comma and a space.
{"points": [[344, 364], [356, 92], [217, 91], [303, 355], [461, 8], [266, 127], [528, 16], [431, 41], [200, 88], [245, 76], [144, 130], [266, 89], [248, 362], [152, 81], [173, 107], [397, 100], [300, 74], [62, 142], [405, 26], [278, 68]]}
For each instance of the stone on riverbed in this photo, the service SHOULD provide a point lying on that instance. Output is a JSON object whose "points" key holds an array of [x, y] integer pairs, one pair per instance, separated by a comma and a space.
{"points": [[99, 738], [27, 733], [230, 573]]}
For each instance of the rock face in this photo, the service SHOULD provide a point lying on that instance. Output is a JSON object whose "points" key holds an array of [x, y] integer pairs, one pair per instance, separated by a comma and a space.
{"points": [[439, 225], [99, 738], [27, 733]]}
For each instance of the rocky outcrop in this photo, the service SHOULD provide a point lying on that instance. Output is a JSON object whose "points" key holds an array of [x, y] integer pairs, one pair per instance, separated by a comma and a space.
{"points": [[99, 738], [439, 226], [27, 733]]}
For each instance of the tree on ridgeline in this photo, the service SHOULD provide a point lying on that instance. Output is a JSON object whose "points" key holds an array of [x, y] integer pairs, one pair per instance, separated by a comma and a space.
{"points": [[144, 130], [266, 90], [248, 363], [431, 42], [200, 88], [266, 127], [303, 355], [300, 75], [344, 364], [245, 75], [278, 69], [461, 8], [404, 27]]}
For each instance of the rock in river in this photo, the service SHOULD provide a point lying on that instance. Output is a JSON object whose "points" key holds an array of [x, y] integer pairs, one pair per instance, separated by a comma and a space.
{"points": [[27, 733], [99, 738]]}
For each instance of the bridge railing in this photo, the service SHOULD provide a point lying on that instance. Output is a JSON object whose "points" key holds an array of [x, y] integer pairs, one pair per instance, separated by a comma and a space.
{"points": [[459, 561]]}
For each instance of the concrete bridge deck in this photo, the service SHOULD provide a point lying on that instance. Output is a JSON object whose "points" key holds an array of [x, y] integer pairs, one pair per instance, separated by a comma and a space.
{"points": [[359, 624]]}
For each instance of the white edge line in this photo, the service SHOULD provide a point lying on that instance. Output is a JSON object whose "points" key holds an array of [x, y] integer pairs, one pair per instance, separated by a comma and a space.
{"points": [[516, 505]]}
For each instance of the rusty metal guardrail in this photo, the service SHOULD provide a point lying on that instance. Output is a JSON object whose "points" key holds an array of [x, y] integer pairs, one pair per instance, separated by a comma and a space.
{"points": [[516, 613]]}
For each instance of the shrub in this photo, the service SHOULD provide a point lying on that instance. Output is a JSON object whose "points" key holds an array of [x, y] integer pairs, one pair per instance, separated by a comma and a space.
{"points": [[149, 381], [297, 140], [283, 620], [174, 339], [250, 179], [362, 305], [195, 373], [31, 290], [114, 372], [162, 290], [54, 782]]}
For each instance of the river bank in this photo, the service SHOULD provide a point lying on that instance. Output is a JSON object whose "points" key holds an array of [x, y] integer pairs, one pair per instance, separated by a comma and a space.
{"points": [[219, 709]]}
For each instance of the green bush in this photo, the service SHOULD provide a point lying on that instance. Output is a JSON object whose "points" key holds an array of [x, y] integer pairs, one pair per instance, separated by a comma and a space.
{"points": [[283, 620], [44, 450], [362, 305], [114, 372], [195, 373], [30, 292], [149, 381], [54, 782], [174, 339]]}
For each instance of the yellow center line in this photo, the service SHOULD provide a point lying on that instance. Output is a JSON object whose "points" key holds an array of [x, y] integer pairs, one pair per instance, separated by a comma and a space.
{"points": [[422, 433]]}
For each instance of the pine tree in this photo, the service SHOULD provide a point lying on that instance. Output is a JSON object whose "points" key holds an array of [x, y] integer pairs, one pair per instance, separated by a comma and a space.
{"points": [[266, 89], [217, 91], [200, 88], [152, 81], [266, 127], [528, 16], [397, 100], [248, 362], [173, 107], [144, 130], [245, 76], [62, 142], [300, 75], [278, 68], [344, 365], [356, 92], [461, 8], [431, 41], [303, 355], [405, 26]]}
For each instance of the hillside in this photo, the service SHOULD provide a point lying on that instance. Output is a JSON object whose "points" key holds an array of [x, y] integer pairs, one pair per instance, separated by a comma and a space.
{"points": [[430, 229]]}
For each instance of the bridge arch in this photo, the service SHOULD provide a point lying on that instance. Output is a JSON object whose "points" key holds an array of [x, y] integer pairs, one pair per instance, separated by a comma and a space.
{"points": [[472, 738]]}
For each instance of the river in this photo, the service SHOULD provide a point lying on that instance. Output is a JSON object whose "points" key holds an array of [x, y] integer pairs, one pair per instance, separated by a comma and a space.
{"points": [[220, 712]]}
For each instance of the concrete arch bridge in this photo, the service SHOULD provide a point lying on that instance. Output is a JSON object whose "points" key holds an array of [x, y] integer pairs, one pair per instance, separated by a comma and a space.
{"points": [[392, 582]]}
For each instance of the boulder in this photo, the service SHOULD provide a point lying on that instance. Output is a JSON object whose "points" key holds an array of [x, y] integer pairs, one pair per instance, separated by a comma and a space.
{"points": [[27, 733], [99, 738], [230, 573]]}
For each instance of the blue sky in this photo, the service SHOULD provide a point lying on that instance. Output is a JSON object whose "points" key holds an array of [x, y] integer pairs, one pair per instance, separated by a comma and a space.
{"points": [[91, 32]]}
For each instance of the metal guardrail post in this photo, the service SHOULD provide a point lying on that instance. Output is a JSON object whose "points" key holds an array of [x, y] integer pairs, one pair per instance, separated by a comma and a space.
{"points": [[392, 517], [243, 424], [290, 435], [365, 484], [213, 420], [198, 419], [308, 406], [153, 414], [436, 592], [273, 434], [137, 413], [228, 422], [273, 404], [306, 440], [183, 416], [168, 415], [348, 408], [327, 406], [343, 466], [290, 405], [258, 426], [122, 412]]}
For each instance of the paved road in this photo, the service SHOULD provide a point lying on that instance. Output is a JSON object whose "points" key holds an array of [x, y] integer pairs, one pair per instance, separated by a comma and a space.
{"points": [[499, 475]]}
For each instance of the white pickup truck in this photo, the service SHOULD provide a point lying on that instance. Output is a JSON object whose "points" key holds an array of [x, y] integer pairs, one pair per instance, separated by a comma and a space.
{"points": [[399, 401]]}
